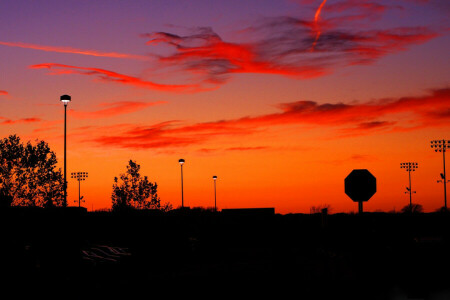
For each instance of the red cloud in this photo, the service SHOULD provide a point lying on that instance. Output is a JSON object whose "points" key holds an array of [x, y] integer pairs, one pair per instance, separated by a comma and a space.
{"points": [[155, 136], [74, 50], [114, 109], [246, 148], [111, 76], [369, 6], [280, 45], [205, 53], [431, 110], [289, 46], [25, 120], [286, 49], [3, 93]]}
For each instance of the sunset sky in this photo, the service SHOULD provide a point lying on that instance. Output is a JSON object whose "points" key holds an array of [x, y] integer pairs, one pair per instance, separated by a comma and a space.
{"points": [[281, 99]]}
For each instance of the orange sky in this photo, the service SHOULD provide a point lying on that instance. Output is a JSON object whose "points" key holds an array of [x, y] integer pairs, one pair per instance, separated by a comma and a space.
{"points": [[279, 99]]}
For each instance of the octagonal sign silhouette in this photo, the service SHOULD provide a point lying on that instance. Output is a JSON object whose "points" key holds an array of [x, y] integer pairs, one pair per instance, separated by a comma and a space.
{"points": [[360, 185]]}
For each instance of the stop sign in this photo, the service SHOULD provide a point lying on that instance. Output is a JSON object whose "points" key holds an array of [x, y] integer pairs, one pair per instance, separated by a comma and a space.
{"points": [[360, 185]]}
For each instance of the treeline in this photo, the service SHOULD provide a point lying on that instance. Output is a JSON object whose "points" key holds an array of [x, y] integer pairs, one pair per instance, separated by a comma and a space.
{"points": [[29, 178]]}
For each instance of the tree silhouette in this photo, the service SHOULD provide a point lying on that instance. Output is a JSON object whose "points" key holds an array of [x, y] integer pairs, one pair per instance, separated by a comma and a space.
{"points": [[27, 174], [131, 190], [320, 209], [442, 209], [413, 208]]}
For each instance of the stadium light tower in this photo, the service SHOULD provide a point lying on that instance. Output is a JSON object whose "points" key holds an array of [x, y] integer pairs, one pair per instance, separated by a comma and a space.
{"points": [[409, 166], [65, 99], [181, 161], [442, 146], [80, 176]]}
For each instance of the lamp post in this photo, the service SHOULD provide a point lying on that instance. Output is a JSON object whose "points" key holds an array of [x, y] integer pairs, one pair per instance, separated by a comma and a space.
{"points": [[181, 161], [442, 146], [215, 198], [80, 176], [65, 99], [409, 166]]}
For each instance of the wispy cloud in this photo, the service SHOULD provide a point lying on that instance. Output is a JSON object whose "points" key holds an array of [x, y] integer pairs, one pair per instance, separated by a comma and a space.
{"points": [[247, 148], [110, 76], [7, 121], [73, 50], [365, 118], [357, 158], [282, 45], [337, 34], [114, 109]]}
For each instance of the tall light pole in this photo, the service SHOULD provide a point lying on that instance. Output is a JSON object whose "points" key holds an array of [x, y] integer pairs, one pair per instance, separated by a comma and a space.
{"points": [[181, 161], [442, 146], [215, 198], [409, 166], [65, 99], [80, 176]]}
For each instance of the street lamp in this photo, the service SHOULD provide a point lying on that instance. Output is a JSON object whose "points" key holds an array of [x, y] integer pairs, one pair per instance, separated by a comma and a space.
{"points": [[65, 99], [215, 198], [80, 176], [442, 146], [409, 166], [181, 161]]}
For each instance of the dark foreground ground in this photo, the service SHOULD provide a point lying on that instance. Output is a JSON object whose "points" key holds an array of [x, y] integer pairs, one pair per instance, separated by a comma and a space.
{"points": [[61, 255]]}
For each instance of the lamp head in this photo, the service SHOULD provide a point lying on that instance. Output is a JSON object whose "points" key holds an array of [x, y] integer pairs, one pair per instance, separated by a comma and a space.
{"points": [[214, 177], [65, 99], [181, 161]]}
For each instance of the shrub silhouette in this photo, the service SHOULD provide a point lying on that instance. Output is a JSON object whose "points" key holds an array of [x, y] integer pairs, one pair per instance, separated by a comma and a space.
{"points": [[413, 208]]}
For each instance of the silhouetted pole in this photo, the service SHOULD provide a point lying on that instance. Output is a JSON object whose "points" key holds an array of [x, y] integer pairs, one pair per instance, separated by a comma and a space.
{"points": [[445, 181], [360, 207], [442, 146], [65, 99], [410, 191], [215, 198], [181, 161], [409, 166], [80, 176]]}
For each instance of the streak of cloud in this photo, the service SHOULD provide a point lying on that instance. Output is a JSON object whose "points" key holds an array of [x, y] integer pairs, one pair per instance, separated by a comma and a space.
{"points": [[110, 76], [316, 23], [345, 119], [73, 50], [246, 148], [7, 121], [114, 109]]}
